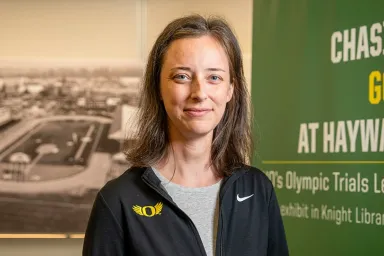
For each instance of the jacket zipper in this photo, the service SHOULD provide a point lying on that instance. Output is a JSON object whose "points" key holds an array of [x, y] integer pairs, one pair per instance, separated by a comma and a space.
{"points": [[221, 231], [194, 229], [221, 210]]}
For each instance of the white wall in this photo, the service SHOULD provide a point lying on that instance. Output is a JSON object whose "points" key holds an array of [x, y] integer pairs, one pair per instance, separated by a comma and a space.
{"points": [[98, 30], [105, 30], [68, 29]]}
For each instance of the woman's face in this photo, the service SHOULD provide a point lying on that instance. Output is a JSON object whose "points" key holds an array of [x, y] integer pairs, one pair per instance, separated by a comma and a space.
{"points": [[195, 85]]}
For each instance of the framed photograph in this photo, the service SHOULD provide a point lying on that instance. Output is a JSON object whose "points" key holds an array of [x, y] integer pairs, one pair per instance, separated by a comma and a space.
{"points": [[62, 131]]}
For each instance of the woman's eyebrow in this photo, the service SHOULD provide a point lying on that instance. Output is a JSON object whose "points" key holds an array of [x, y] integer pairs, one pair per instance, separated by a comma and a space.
{"points": [[215, 69], [181, 68], [189, 69]]}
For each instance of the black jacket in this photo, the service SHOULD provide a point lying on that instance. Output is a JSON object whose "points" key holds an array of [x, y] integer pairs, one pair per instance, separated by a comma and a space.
{"points": [[132, 215]]}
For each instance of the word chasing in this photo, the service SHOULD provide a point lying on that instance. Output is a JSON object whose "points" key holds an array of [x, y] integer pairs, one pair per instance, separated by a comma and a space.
{"points": [[357, 43], [336, 182], [342, 136]]}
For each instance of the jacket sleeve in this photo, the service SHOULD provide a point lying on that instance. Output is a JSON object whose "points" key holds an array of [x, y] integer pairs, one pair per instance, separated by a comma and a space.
{"points": [[277, 244], [104, 235]]}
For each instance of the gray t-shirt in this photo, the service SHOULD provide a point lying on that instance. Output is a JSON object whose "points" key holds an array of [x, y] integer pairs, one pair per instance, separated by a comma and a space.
{"points": [[200, 204]]}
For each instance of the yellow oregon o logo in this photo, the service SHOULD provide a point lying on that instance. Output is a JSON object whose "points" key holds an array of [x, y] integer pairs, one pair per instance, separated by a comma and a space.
{"points": [[151, 209], [148, 211]]}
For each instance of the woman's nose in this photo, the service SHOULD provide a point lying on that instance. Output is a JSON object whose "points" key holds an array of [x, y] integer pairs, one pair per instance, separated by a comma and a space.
{"points": [[198, 92]]}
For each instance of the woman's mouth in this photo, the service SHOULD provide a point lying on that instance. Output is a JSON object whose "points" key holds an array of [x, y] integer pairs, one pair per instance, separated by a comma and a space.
{"points": [[197, 112]]}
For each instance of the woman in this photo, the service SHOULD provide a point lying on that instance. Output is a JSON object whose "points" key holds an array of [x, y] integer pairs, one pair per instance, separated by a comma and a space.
{"points": [[189, 190]]}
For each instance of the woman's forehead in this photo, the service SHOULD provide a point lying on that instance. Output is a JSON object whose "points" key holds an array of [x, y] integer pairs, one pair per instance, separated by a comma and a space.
{"points": [[196, 52]]}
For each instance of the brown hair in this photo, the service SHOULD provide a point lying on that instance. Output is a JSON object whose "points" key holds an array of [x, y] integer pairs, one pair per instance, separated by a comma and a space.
{"points": [[232, 139]]}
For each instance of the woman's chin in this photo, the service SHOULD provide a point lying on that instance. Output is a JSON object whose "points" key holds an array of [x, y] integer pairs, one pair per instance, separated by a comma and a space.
{"points": [[194, 129], [198, 131]]}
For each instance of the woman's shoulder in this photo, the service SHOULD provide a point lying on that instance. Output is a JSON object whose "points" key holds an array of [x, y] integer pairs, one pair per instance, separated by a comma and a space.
{"points": [[256, 174], [255, 179], [123, 186]]}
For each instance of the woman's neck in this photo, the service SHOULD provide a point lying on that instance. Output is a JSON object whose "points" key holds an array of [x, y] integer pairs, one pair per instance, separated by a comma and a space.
{"points": [[188, 162]]}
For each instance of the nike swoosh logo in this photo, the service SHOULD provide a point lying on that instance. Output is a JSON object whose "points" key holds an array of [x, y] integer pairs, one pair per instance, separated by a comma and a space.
{"points": [[241, 199]]}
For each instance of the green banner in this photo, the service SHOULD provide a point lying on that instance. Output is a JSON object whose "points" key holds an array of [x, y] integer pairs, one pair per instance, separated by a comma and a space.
{"points": [[318, 98]]}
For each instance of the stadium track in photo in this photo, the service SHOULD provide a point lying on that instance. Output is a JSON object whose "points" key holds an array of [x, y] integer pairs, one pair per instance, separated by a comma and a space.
{"points": [[56, 154]]}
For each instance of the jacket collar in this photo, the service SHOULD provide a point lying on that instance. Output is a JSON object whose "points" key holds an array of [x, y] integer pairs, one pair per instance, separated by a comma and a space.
{"points": [[149, 176]]}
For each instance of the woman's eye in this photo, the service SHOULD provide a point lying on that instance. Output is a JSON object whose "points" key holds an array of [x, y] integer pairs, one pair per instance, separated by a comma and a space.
{"points": [[215, 78], [181, 77]]}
